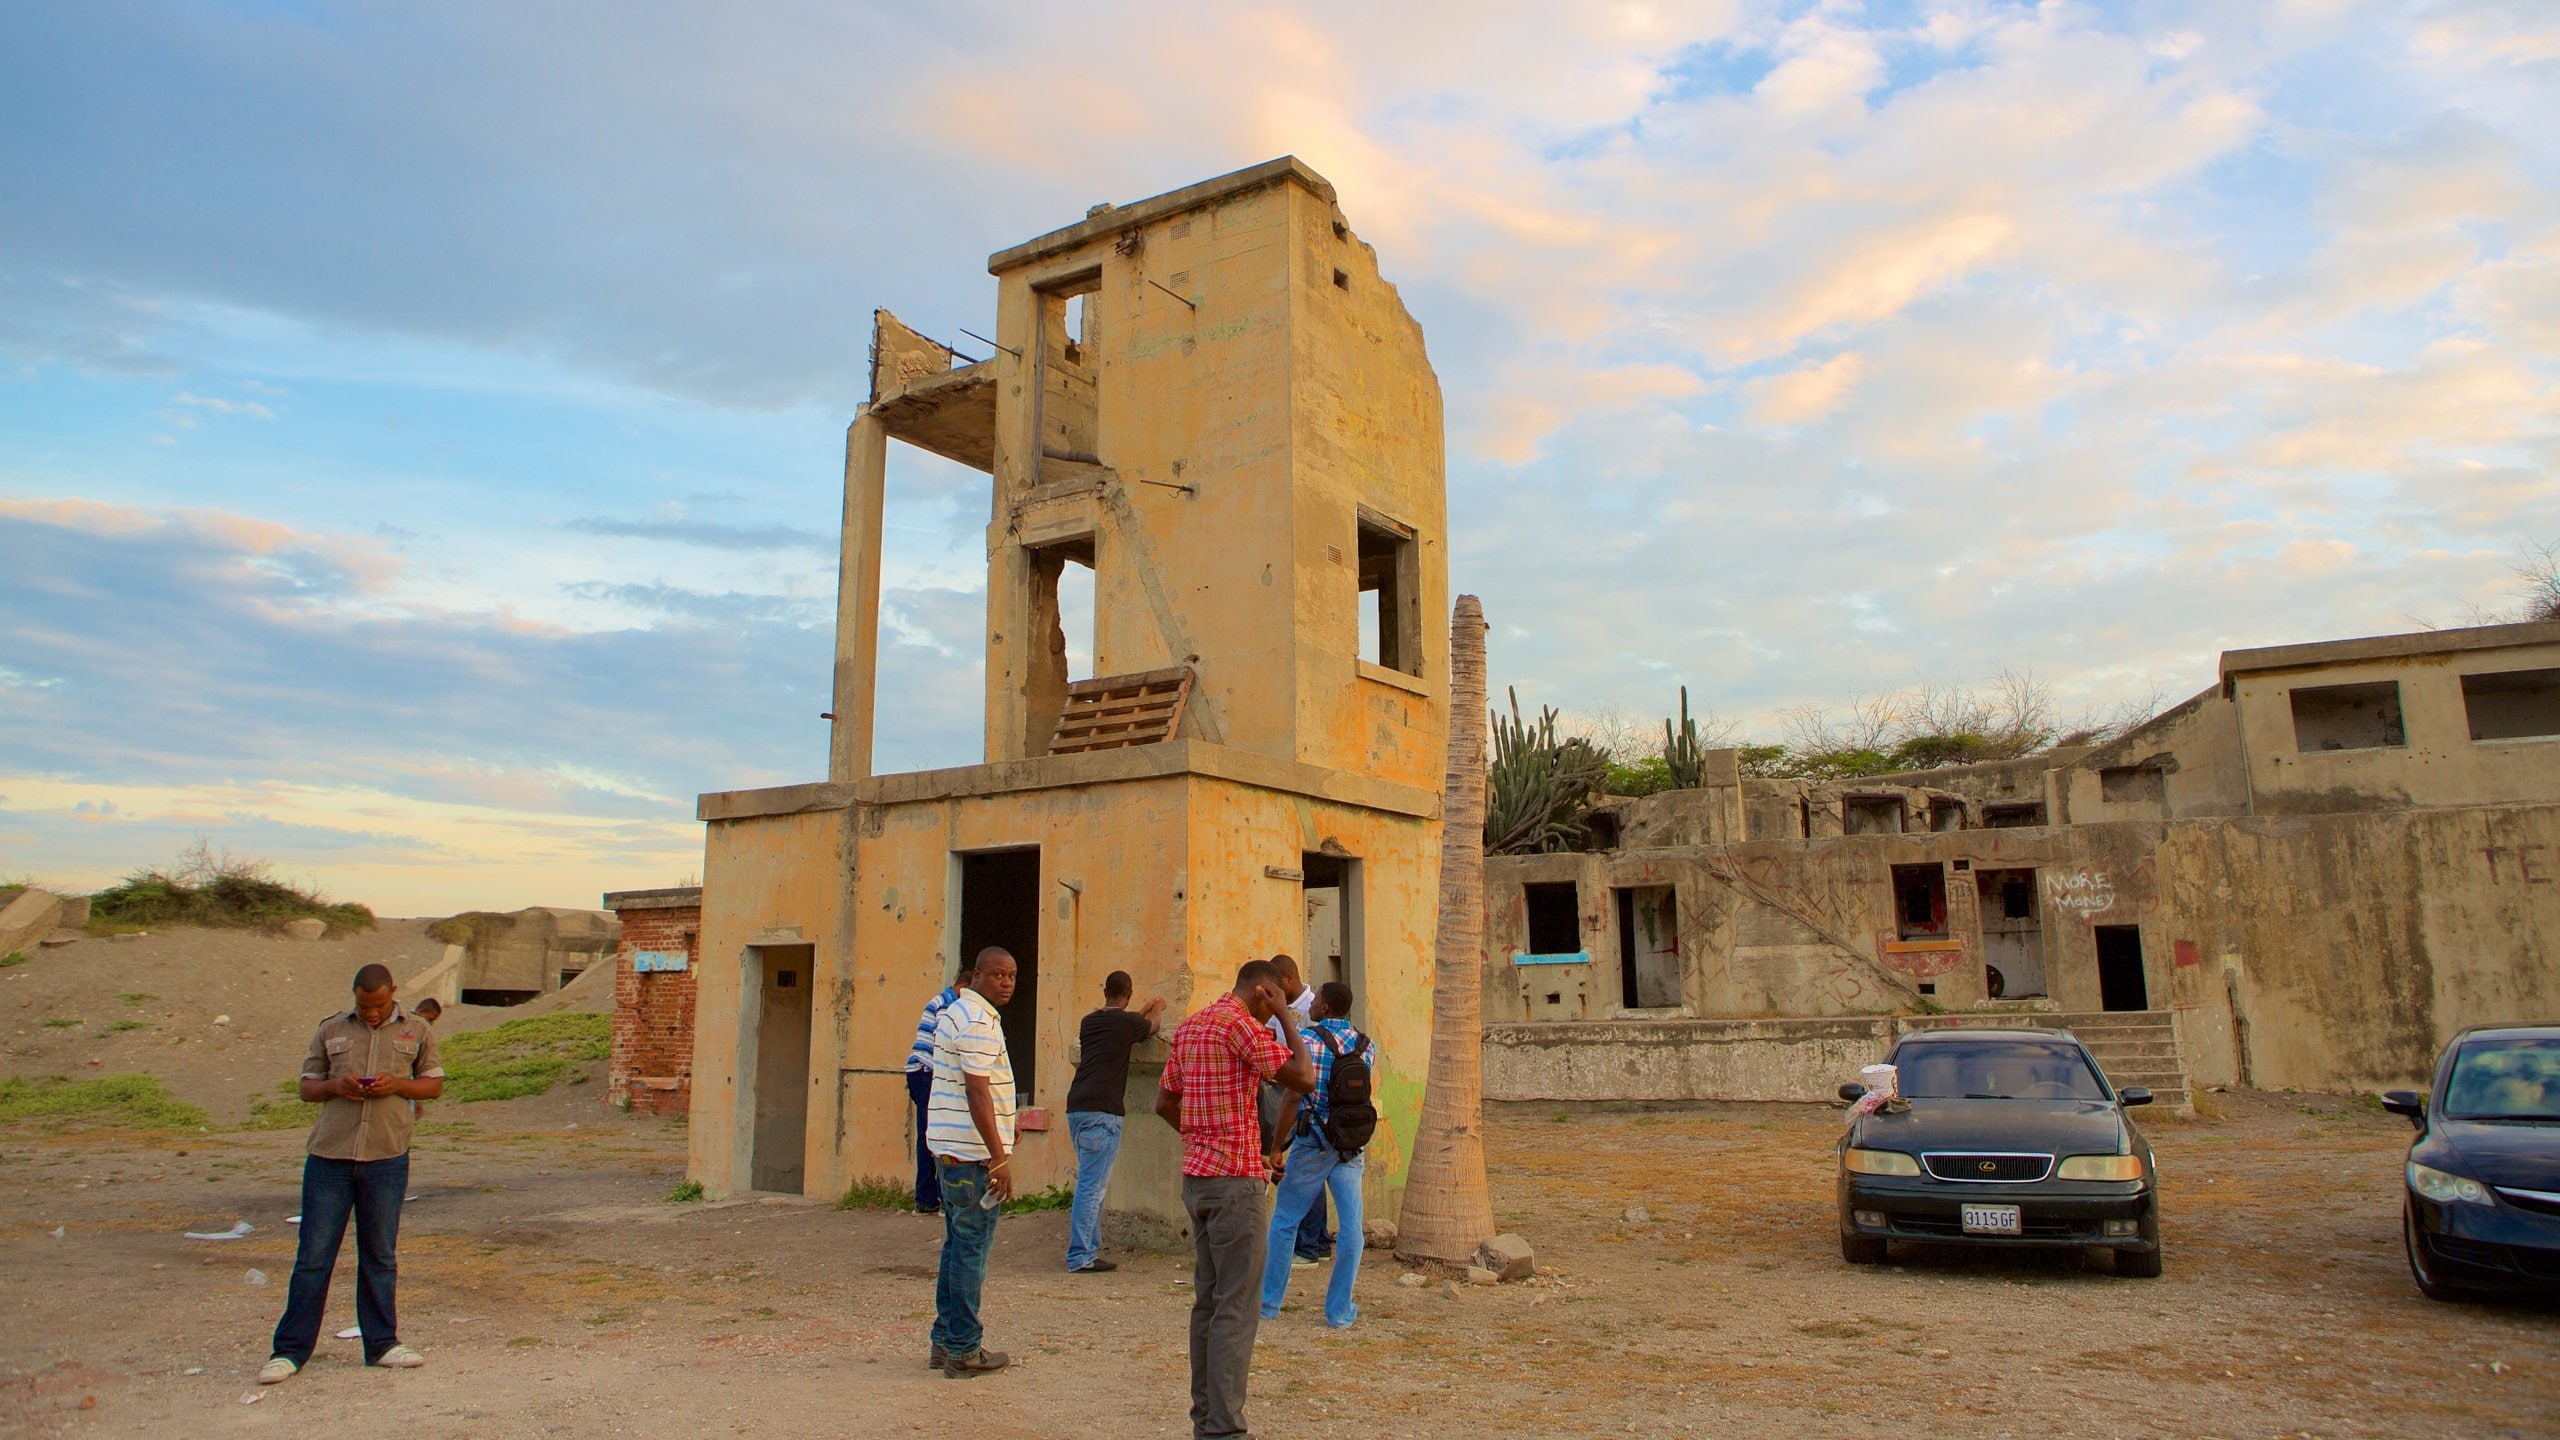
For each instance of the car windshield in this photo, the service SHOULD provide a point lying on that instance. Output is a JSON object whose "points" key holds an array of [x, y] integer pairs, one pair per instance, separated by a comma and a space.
{"points": [[1996, 1070], [2516, 1079]]}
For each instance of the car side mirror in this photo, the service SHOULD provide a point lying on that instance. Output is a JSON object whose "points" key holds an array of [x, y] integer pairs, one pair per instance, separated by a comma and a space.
{"points": [[1853, 1091], [2406, 1102], [2133, 1095]]}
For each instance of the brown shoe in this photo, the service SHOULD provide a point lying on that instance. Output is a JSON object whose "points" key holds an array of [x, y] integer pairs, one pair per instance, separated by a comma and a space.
{"points": [[934, 1361], [1096, 1268], [976, 1362]]}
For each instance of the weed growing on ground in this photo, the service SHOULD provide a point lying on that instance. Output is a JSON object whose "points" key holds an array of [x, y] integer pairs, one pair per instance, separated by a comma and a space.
{"points": [[121, 1026], [877, 1192], [132, 1102], [1056, 1197], [14, 957], [285, 1109], [1562, 1117], [57, 1022], [686, 1193], [135, 997], [522, 1057]]}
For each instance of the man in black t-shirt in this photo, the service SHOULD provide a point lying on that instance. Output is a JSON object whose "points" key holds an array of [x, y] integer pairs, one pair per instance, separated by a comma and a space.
{"points": [[1096, 1110]]}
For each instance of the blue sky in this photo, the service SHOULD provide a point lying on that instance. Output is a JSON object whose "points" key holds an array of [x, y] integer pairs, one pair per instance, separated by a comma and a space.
{"points": [[420, 430]]}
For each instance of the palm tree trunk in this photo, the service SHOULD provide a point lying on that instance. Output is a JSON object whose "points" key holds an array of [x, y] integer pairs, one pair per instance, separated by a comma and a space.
{"points": [[1448, 1210]]}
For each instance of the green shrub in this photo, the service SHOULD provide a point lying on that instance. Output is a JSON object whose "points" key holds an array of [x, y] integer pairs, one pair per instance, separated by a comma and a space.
{"points": [[1056, 1197], [686, 1193], [469, 926], [522, 1057], [121, 1026], [128, 1102], [14, 957], [216, 891], [57, 1022]]}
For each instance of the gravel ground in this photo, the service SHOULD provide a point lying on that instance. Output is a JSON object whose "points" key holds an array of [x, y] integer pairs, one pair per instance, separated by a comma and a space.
{"points": [[1695, 1288]]}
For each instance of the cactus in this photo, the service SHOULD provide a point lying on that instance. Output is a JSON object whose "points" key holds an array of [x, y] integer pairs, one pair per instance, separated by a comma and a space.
{"points": [[1684, 753], [1538, 786]]}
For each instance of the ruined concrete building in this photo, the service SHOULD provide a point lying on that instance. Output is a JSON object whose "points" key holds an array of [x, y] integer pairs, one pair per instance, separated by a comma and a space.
{"points": [[2311, 874], [1213, 402]]}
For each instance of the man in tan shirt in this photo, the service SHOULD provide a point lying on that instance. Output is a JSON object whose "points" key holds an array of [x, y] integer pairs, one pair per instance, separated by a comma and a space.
{"points": [[364, 1067]]}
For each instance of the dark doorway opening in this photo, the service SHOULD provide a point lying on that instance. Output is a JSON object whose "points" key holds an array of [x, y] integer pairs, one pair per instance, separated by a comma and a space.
{"points": [[1331, 894], [1555, 918], [2120, 982], [1648, 947], [499, 997], [783, 1013], [1000, 905]]}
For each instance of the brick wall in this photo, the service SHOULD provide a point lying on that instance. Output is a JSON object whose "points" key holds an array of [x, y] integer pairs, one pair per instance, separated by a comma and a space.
{"points": [[652, 1065]]}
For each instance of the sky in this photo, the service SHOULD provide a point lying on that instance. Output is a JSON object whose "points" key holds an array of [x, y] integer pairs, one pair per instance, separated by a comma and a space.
{"points": [[421, 428]]}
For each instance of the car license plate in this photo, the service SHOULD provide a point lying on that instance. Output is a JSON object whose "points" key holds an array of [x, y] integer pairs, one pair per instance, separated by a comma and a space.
{"points": [[1991, 1220]]}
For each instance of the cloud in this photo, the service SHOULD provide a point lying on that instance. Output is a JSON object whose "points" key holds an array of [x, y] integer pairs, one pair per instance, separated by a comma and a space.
{"points": [[1810, 393], [710, 534], [220, 406]]}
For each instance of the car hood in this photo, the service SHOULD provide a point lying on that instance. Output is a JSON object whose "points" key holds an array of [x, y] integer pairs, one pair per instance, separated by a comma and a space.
{"points": [[2056, 1127], [2524, 1156]]}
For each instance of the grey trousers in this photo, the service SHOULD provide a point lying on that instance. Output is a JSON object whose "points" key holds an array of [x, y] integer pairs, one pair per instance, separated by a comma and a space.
{"points": [[1229, 1217]]}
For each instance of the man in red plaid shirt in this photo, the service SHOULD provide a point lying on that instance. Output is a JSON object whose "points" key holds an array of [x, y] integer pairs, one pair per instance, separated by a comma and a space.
{"points": [[1211, 1085]]}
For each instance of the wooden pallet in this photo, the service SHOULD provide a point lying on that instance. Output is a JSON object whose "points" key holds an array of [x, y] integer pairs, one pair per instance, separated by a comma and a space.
{"points": [[1121, 710]]}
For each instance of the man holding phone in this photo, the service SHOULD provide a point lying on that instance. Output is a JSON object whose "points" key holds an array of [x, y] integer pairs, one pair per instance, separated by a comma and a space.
{"points": [[364, 1067]]}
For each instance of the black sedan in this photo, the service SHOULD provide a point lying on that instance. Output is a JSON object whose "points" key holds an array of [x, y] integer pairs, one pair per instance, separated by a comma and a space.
{"points": [[2483, 1210], [2010, 1138]]}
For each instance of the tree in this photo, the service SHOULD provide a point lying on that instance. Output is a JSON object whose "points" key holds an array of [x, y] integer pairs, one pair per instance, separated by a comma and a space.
{"points": [[1448, 1209]]}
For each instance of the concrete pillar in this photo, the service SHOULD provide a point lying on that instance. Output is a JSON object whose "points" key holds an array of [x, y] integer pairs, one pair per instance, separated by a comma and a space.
{"points": [[866, 465]]}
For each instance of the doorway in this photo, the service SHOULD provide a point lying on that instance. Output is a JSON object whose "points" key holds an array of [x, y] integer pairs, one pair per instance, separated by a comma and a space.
{"points": [[1332, 904], [1000, 905], [2121, 985], [2012, 934], [783, 1013], [1648, 948]]}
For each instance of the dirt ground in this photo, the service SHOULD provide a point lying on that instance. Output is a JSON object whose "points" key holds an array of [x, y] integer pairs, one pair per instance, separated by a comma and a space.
{"points": [[151, 1004], [1697, 1289]]}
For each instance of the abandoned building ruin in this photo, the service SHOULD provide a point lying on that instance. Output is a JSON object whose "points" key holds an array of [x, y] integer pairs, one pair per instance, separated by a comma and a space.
{"points": [[2311, 874], [1213, 402]]}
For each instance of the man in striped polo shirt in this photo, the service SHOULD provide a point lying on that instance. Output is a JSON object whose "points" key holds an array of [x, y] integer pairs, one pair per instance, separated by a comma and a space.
{"points": [[969, 1124], [920, 1089]]}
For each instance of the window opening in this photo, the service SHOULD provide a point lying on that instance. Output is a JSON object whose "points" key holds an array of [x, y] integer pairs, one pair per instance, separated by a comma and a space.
{"points": [[1920, 902], [1946, 814], [1068, 410], [1000, 905], [1390, 593], [2013, 815], [2133, 784], [1871, 814], [1555, 918], [1648, 947], [2513, 704], [2348, 717], [1061, 603], [2012, 934]]}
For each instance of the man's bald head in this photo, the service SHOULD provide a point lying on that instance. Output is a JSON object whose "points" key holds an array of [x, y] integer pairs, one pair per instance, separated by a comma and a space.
{"points": [[374, 977]]}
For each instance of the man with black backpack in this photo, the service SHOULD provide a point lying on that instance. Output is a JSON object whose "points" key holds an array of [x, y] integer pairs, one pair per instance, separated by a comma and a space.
{"points": [[1328, 1132]]}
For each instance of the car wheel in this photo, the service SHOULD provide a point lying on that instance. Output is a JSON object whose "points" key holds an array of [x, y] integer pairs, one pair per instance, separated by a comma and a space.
{"points": [[1862, 1249], [2429, 1285], [2139, 1264]]}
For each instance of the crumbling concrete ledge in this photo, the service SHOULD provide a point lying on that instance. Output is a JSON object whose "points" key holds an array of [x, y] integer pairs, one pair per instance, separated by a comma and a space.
{"points": [[1799, 1060]]}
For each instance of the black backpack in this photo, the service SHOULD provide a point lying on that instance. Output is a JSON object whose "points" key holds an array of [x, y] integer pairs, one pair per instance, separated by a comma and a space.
{"points": [[1349, 1116]]}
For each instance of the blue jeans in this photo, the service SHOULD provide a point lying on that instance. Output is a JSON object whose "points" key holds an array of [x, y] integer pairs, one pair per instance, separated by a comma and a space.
{"points": [[1097, 1138], [333, 1190], [1313, 1238], [968, 1232], [928, 1186], [1314, 1169]]}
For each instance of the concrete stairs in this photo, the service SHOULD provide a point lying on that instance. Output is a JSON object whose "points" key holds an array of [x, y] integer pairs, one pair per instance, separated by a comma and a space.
{"points": [[2134, 1047]]}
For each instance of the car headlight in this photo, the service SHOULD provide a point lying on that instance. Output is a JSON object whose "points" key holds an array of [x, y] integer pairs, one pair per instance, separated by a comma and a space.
{"points": [[1880, 1162], [2443, 1188], [2101, 1167]]}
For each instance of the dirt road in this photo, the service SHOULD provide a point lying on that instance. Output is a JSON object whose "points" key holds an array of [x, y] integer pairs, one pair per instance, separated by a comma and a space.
{"points": [[1699, 1290]]}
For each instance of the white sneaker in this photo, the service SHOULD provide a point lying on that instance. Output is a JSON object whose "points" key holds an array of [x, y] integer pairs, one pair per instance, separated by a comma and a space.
{"points": [[277, 1371], [401, 1357]]}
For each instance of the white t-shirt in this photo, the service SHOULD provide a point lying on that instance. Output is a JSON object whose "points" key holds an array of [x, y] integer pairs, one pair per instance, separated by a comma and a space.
{"points": [[968, 1039], [1305, 1005]]}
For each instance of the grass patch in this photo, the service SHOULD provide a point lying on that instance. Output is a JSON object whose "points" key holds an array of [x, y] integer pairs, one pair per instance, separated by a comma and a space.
{"points": [[127, 1102], [219, 891], [14, 957], [135, 997], [877, 1192], [686, 1193], [56, 1022], [284, 1109], [522, 1057], [121, 1026], [1056, 1197]]}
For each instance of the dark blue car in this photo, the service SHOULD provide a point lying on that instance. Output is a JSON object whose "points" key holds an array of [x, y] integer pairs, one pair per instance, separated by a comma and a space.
{"points": [[2483, 1209]]}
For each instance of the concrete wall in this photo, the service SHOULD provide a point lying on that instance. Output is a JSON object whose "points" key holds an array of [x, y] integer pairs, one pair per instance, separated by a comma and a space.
{"points": [[2438, 765], [2195, 747], [1786, 1060]]}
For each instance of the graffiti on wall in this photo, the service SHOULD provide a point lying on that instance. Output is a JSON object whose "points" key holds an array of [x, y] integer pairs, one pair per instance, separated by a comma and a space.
{"points": [[2080, 892]]}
